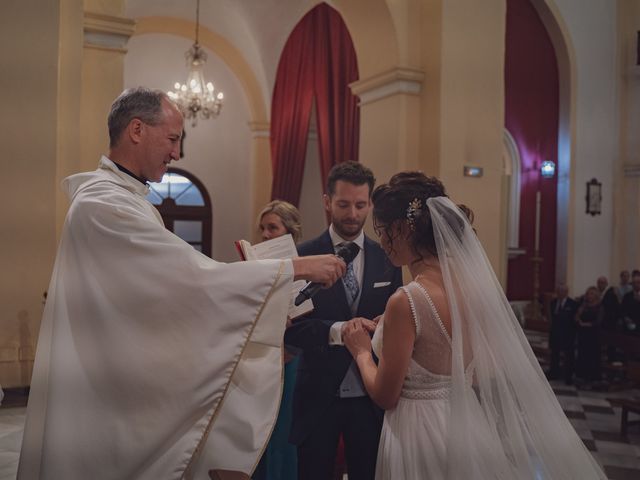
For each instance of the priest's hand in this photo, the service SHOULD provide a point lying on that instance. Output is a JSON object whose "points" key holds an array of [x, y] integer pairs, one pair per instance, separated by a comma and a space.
{"points": [[324, 269]]}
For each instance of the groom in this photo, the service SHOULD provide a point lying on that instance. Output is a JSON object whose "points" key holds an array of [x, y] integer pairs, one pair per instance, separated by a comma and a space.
{"points": [[329, 398]]}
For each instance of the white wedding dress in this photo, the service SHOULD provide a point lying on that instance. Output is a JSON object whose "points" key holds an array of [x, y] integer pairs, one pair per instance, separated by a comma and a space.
{"points": [[413, 443]]}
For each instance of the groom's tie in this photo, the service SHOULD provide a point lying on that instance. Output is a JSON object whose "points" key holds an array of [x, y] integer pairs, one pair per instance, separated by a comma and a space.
{"points": [[351, 385], [351, 284]]}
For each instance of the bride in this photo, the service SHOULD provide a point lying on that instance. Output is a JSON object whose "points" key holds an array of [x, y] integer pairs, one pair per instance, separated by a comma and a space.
{"points": [[463, 393]]}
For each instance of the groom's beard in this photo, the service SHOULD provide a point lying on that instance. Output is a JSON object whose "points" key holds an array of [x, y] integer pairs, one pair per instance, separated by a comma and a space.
{"points": [[348, 228]]}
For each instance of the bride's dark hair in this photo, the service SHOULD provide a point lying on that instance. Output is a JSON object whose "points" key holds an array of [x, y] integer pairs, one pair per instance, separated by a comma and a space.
{"points": [[392, 202]]}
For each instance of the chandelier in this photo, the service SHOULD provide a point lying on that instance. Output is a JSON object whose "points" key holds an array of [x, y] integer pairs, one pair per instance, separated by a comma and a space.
{"points": [[197, 97]]}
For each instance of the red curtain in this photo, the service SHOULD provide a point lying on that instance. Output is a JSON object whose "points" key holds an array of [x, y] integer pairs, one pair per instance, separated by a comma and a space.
{"points": [[318, 61]]}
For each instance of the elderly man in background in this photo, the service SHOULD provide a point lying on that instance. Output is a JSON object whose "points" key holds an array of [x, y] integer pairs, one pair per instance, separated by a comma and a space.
{"points": [[562, 337], [631, 306], [625, 285]]}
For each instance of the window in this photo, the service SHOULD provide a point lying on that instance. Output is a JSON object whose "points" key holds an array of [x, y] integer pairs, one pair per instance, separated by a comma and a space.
{"points": [[184, 205]]}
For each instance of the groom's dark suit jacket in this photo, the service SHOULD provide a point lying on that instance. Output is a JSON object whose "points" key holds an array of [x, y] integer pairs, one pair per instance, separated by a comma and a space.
{"points": [[322, 367]]}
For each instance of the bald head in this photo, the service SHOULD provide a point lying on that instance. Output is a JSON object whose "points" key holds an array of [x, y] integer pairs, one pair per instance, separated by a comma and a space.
{"points": [[625, 276], [602, 283], [562, 291]]}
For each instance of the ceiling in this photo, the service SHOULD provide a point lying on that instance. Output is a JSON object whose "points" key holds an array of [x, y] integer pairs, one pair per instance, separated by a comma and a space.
{"points": [[257, 28]]}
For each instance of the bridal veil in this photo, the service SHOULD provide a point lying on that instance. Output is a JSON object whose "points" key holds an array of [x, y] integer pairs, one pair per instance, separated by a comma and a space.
{"points": [[505, 419]]}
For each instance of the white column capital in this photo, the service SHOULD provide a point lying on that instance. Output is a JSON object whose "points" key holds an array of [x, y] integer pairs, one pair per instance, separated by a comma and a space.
{"points": [[399, 80], [631, 170], [260, 129], [107, 32]]}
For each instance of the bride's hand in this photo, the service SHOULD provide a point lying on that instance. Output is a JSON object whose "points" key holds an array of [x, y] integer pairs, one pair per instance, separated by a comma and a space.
{"points": [[356, 338], [368, 325]]}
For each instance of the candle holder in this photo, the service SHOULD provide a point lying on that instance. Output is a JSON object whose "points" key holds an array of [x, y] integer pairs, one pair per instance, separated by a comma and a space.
{"points": [[536, 313]]}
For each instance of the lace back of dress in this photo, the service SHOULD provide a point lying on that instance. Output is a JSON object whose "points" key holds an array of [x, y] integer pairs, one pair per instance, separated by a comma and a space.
{"points": [[432, 348]]}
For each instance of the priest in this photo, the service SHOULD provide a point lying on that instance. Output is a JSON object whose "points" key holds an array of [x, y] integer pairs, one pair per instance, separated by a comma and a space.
{"points": [[143, 339]]}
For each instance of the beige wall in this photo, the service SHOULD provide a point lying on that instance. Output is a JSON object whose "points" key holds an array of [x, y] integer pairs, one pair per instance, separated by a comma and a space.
{"points": [[472, 113], [440, 106], [28, 96], [589, 32], [54, 98], [70, 83], [626, 253], [107, 7]]}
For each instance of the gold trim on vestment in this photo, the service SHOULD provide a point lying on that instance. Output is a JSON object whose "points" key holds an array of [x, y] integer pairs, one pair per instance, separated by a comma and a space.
{"points": [[214, 415]]}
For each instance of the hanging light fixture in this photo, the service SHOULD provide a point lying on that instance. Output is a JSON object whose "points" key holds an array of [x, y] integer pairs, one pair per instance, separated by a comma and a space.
{"points": [[197, 97]]}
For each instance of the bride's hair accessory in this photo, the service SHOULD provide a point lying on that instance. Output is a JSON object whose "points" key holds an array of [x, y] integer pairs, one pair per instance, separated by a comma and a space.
{"points": [[413, 210], [405, 199]]}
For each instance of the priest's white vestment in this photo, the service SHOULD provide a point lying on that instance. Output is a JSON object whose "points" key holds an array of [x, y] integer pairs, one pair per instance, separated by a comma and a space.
{"points": [[153, 361]]}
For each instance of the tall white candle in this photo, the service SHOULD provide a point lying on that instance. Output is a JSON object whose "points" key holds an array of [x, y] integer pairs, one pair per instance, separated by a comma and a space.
{"points": [[537, 244]]}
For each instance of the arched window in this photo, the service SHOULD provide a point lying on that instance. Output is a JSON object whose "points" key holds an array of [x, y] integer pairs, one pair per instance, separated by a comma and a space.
{"points": [[185, 207]]}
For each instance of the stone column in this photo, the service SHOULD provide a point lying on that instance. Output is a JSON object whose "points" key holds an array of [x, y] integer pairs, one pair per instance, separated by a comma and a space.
{"points": [[262, 172], [626, 254]]}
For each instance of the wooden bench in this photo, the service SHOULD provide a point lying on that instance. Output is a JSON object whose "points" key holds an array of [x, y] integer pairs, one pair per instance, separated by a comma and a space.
{"points": [[625, 375], [627, 405], [629, 344]]}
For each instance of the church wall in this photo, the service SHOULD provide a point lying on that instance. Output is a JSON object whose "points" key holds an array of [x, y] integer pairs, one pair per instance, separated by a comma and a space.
{"points": [[472, 114], [217, 151], [592, 30], [107, 7], [626, 254], [28, 95], [434, 101]]}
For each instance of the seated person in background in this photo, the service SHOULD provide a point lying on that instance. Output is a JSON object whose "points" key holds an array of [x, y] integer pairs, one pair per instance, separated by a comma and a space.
{"points": [[589, 318], [610, 304], [625, 285], [563, 334], [602, 283], [280, 460], [631, 306]]}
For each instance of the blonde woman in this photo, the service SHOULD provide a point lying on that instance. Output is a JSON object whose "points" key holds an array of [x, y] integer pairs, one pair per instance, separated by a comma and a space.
{"points": [[279, 460], [278, 218]]}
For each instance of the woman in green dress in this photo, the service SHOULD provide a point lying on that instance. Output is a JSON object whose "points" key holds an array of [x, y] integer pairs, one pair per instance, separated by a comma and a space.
{"points": [[279, 461]]}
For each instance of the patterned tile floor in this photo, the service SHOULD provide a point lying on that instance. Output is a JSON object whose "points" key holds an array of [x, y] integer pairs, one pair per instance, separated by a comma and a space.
{"points": [[597, 422], [593, 417], [11, 425], [598, 425]]}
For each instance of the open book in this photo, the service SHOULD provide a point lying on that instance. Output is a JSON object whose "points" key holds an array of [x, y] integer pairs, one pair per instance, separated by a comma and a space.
{"points": [[277, 248]]}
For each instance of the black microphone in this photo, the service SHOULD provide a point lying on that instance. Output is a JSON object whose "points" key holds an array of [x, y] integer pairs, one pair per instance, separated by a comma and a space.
{"points": [[347, 251]]}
